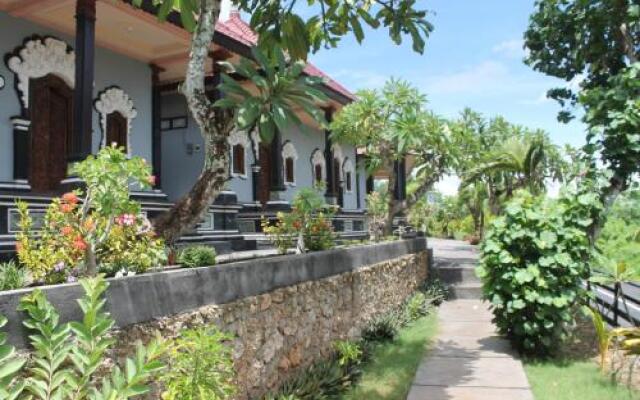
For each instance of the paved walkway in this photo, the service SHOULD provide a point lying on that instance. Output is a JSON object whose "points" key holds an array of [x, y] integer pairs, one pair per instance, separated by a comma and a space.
{"points": [[468, 360]]}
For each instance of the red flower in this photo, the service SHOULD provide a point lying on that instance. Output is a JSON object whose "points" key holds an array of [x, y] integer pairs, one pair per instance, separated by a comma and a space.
{"points": [[70, 198], [79, 243], [66, 230], [297, 224], [151, 180], [66, 208], [18, 247]]}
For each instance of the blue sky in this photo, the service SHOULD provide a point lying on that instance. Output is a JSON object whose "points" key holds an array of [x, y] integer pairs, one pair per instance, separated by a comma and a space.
{"points": [[473, 58]]}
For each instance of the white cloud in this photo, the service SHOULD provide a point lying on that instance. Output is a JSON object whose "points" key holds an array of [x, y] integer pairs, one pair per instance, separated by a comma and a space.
{"points": [[513, 48], [541, 99], [476, 79], [360, 79]]}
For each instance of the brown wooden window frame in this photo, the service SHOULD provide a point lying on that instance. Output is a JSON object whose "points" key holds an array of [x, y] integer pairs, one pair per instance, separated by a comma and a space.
{"points": [[289, 171], [238, 165]]}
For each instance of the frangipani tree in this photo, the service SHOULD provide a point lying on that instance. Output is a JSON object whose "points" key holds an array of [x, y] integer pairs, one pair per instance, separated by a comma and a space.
{"points": [[280, 24], [393, 123]]}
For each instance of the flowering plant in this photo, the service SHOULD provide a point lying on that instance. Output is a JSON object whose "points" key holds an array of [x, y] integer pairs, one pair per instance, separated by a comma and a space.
{"points": [[309, 222], [100, 223]]}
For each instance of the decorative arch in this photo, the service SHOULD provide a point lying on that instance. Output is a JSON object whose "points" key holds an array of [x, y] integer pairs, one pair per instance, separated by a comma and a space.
{"points": [[115, 100], [318, 165], [289, 158], [38, 58], [239, 142]]}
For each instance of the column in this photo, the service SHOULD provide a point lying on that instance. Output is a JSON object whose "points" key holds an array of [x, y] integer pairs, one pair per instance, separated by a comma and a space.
{"points": [[156, 116], [84, 74], [277, 177], [330, 194]]}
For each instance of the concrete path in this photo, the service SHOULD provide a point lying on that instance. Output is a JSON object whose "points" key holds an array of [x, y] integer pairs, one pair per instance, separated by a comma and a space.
{"points": [[468, 360]]}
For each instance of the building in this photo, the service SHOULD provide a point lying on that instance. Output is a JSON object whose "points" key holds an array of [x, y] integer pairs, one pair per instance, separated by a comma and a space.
{"points": [[80, 74]]}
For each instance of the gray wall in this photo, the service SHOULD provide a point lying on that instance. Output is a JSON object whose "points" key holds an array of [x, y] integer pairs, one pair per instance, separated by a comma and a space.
{"points": [[144, 297], [132, 76], [181, 159]]}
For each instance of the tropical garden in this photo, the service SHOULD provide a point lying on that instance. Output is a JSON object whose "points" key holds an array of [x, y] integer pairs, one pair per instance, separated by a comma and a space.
{"points": [[541, 255]]}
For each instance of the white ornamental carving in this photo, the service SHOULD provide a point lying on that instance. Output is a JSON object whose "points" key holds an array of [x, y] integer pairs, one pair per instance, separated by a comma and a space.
{"points": [[289, 151], [115, 100], [239, 137], [318, 159], [39, 58], [255, 137]]}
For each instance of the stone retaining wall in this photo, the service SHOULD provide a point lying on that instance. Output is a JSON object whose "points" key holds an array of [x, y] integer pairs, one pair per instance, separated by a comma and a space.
{"points": [[284, 312], [282, 331]]}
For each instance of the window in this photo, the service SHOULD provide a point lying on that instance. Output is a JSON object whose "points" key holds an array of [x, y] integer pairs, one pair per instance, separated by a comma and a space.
{"points": [[238, 160], [289, 157], [289, 173], [317, 166], [347, 178], [318, 173], [239, 143]]}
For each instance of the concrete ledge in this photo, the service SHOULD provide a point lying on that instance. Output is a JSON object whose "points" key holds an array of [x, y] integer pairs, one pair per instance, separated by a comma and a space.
{"points": [[144, 297]]}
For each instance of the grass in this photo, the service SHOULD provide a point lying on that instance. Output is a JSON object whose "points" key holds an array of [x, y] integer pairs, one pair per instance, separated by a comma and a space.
{"points": [[393, 365], [570, 380]]}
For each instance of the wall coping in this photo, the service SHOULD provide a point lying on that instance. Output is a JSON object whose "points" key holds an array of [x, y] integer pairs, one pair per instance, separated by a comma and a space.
{"points": [[141, 298]]}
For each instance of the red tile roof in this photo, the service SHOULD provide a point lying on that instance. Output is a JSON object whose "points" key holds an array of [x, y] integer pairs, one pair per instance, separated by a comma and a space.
{"points": [[240, 31]]}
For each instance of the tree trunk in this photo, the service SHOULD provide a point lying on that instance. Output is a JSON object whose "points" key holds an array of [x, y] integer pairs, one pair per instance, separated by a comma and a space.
{"points": [[90, 262], [215, 125], [394, 206]]}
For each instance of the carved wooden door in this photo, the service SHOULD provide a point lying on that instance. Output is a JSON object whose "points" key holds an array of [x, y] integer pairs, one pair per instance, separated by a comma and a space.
{"points": [[51, 113]]}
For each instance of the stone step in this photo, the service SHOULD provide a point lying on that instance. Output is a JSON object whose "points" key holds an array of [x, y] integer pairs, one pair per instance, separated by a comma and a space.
{"points": [[465, 291], [452, 275]]}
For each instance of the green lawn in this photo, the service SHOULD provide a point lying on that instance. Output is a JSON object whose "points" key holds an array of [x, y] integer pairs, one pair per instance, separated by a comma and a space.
{"points": [[391, 370], [571, 380]]}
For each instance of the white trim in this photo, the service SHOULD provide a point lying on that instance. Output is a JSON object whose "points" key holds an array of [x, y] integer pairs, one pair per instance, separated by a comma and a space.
{"points": [[17, 184], [289, 151], [317, 158], [41, 57], [73, 179], [114, 100], [239, 138], [20, 124]]}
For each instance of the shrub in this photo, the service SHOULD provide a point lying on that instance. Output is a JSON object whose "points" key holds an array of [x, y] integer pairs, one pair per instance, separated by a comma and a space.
{"points": [[83, 229], [319, 235], [348, 352], [308, 225], [416, 307], [323, 380], [381, 329], [201, 366], [532, 265], [435, 290], [377, 210], [12, 276], [280, 233], [197, 256], [65, 357]]}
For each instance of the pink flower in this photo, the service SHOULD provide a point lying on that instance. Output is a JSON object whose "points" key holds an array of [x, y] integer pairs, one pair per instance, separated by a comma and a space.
{"points": [[151, 180], [126, 220], [66, 207]]}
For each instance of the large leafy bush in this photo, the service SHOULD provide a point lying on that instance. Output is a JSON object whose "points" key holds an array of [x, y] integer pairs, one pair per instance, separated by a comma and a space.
{"points": [[534, 260], [197, 256]]}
